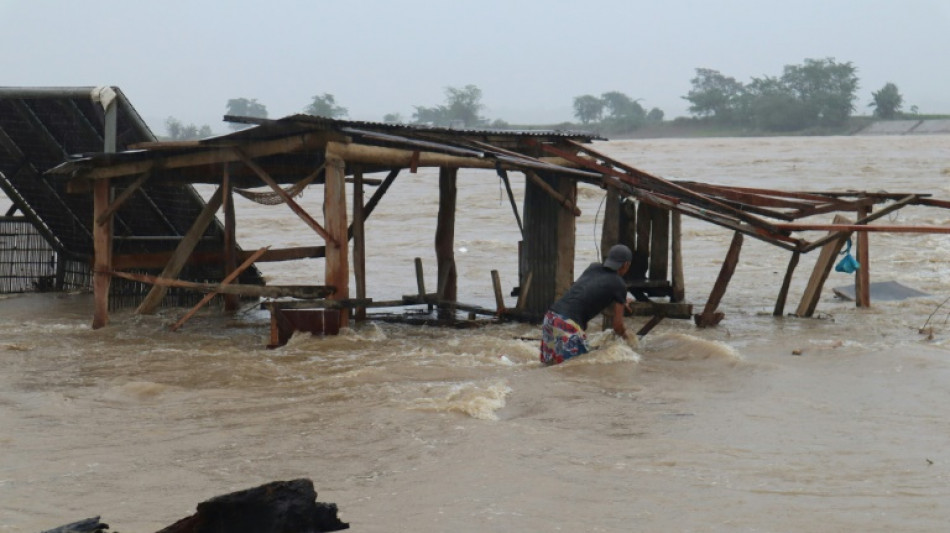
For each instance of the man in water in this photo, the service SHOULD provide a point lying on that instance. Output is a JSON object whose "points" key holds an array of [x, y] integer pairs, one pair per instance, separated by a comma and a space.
{"points": [[601, 285]]}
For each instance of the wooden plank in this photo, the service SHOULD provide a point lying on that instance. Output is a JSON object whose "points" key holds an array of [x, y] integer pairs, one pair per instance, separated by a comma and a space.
{"points": [[826, 259], [786, 283], [610, 230], [303, 292], [659, 244], [334, 207], [445, 239], [359, 243], [102, 246], [850, 228], [294, 206], [709, 316], [566, 235], [644, 230], [230, 277], [669, 310], [678, 283], [178, 260], [862, 277]]}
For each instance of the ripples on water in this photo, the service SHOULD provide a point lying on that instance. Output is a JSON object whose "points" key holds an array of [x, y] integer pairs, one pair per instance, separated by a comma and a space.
{"points": [[427, 429]]}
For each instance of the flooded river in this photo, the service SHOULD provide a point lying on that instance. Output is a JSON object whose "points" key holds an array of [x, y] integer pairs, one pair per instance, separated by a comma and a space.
{"points": [[430, 430]]}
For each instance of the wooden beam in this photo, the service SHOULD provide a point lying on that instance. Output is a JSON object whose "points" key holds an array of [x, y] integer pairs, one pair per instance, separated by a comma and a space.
{"points": [[499, 298], [862, 277], [102, 246], [850, 228], [230, 277], [610, 230], [511, 198], [786, 283], [659, 244], [177, 261], [566, 237], [294, 206], [212, 155], [160, 259], [445, 239], [303, 292], [909, 199], [826, 259], [709, 316], [359, 243], [337, 267]]}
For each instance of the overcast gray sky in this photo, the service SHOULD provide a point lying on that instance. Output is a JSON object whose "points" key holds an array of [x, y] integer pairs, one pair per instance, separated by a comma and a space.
{"points": [[186, 58]]}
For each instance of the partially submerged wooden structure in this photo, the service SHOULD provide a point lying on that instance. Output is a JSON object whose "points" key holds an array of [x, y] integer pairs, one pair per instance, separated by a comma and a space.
{"points": [[46, 234], [289, 154]]}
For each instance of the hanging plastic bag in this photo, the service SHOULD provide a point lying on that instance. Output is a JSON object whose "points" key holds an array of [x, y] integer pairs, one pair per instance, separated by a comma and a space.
{"points": [[848, 264]]}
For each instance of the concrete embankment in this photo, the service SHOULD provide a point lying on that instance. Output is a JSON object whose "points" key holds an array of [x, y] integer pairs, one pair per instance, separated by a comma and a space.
{"points": [[907, 127]]}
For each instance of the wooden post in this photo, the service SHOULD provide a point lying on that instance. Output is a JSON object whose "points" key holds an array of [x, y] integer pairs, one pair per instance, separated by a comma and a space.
{"points": [[678, 283], [709, 316], [445, 240], [826, 259], [786, 283], [659, 244], [548, 247], [862, 277], [420, 280], [499, 298], [610, 231], [102, 246], [177, 261], [359, 244], [566, 238], [334, 207], [231, 301], [644, 221]]}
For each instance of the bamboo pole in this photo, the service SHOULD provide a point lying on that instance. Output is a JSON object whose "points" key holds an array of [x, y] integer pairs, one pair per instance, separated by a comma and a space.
{"points": [[445, 239], [678, 283], [359, 244]]}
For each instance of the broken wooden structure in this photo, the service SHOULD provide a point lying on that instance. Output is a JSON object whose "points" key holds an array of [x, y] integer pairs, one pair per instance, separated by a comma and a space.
{"points": [[287, 155]]}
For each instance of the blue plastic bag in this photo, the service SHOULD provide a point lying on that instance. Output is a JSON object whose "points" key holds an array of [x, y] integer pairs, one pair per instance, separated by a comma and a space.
{"points": [[847, 264]]}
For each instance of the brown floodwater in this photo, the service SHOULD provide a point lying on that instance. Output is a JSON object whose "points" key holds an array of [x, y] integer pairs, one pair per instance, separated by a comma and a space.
{"points": [[424, 429]]}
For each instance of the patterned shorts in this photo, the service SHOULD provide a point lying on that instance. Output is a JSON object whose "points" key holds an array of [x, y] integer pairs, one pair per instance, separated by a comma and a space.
{"points": [[561, 338]]}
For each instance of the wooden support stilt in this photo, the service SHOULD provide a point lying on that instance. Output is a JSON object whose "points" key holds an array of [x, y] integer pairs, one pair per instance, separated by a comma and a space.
{"points": [[102, 245], [652, 323], [445, 239], [359, 244], [677, 281], [499, 298], [177, 261], [420, 279], [123, 197], [523, 293], [709, 317], [231, 301], [659, 244], [610, 231], [566, 238], [826, 259], [862, 277], [644, 223], [334, 207], [786, 283]]}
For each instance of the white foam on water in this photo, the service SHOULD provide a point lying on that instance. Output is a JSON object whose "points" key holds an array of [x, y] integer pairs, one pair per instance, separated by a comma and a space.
{"points": [[477, 400], [685, 347]]}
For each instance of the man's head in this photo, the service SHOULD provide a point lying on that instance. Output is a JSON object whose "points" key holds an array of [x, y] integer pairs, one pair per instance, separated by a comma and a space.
{"points": [[617, 256]]}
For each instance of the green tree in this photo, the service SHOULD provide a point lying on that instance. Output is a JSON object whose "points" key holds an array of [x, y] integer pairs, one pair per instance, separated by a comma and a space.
{"points": [[655, 116], [768, 104], [827, 89], [324, 105], [714, 95], [588, 108], [392, 118], [462, 107], [624, 114], [243, 107], [183, 132], [887, 102]]}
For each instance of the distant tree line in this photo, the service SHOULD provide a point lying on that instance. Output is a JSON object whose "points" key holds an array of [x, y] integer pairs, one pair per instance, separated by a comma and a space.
{"points": [[820, 93]]}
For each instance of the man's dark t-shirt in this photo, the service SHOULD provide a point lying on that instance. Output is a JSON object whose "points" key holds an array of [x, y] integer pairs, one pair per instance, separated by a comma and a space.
{"points": [[597, 288]]}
